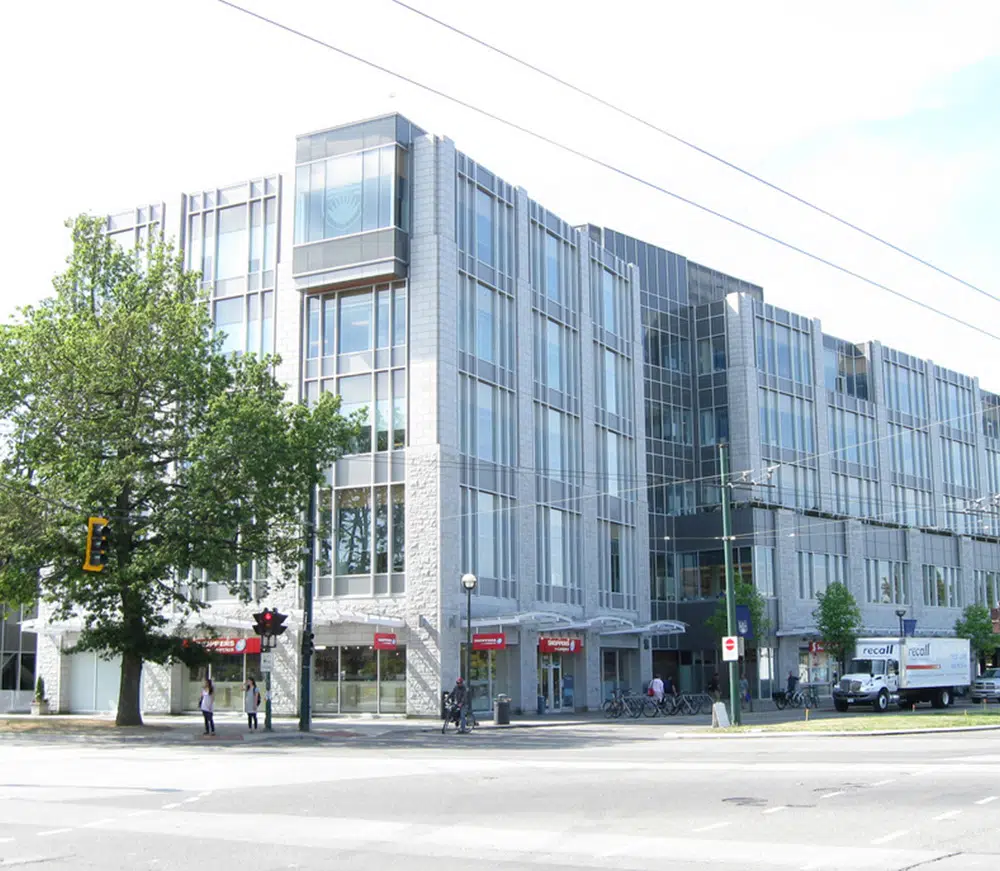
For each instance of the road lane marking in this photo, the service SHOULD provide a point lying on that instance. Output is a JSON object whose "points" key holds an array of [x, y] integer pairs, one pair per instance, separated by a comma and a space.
{"points": [[884, 782], [189, 800], [774, 810], [947, 815], [171, 806], [834, 794], [988, 799], [53, 832], [5, 840], [892, 836], [710, 827], [103, 822], [139, 813]]}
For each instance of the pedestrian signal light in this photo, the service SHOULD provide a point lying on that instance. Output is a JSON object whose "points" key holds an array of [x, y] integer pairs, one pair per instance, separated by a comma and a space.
{"points": [[96, 557]]}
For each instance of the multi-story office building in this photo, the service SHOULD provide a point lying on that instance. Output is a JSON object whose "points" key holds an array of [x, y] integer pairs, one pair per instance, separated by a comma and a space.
{"points": [[498, 352], [870, 467]]}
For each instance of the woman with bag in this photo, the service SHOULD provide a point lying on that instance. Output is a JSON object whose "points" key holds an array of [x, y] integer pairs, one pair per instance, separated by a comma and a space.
{"points": [[251, 703]]}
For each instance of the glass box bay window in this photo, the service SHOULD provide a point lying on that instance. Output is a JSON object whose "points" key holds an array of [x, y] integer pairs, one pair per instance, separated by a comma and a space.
{"points": [[348, 194]]}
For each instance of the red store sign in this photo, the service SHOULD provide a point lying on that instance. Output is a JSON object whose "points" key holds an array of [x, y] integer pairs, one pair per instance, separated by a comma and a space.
{"points": [[231, 646], [385, 641], [489, 641], [560, 645], [817, 647]]}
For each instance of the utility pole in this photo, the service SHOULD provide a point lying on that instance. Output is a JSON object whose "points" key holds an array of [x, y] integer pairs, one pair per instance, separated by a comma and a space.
{"points": [[305, 680], [727, 549]]}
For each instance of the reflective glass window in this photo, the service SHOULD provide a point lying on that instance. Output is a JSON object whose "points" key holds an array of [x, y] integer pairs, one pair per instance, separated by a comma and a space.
{"points": [[355, 323]]}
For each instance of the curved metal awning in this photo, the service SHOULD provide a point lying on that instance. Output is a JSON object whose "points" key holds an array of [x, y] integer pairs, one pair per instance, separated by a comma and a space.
{"points": [[528, 620], [322, 618], [658, 627]]}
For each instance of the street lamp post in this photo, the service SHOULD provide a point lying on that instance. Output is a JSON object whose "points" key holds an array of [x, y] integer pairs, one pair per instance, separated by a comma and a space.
{"points": [[901, 613], [469, 581]]}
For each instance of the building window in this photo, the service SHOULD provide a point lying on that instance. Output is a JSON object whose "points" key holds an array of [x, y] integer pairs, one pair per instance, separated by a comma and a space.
{"points": [[942, 587], [857, 497], [484, 227], [817, 571], [763, 571], [711, 355], [887, 582], [783, 351], [852, 437], [353, 532], [487, 421], [17, 653], [905, 389], [987, 588], [714, 426], [845, 368], [355, 323], [786, 421]]}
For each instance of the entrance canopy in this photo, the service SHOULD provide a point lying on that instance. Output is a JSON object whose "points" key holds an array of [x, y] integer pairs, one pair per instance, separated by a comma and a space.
{"points": [[323, 618], [658, 627]]}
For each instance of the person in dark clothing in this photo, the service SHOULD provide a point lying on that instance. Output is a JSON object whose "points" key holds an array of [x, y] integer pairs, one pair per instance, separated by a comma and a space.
{"points": [[793, 679], [460, 699]]}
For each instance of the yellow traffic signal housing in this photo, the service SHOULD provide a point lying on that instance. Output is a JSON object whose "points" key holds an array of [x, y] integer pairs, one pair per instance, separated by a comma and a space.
{"points": [[97, 545]]}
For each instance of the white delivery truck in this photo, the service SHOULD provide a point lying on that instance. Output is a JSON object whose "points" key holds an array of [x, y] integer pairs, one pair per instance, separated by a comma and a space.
{"points": [[904, 670]]}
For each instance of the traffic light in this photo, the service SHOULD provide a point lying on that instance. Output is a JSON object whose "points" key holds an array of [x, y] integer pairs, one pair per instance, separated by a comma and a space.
{"points": [[96, 557], [262, 623], [269, 623], [308, 645]]}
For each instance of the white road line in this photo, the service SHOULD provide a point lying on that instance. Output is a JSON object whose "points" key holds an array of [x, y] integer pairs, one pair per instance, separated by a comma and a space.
{"points": [[892, 836], [171, 806], [5, 840], [774, 810], [139, 813], [53, 832], [103, 822], [884, 782], [947, 815], [189, 800], [987, 800], [834, 794], [710, 827]]}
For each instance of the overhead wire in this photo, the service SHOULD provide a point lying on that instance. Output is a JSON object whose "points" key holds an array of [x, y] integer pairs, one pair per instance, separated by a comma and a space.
{"points": [[615, 107], [569, 149]]}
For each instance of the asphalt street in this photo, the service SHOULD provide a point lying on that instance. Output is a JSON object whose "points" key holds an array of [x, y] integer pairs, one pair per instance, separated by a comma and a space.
{"points": [[629, 795]]}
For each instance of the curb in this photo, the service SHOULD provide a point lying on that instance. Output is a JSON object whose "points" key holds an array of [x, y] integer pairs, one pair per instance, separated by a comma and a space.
{"points": [[735, 736]]}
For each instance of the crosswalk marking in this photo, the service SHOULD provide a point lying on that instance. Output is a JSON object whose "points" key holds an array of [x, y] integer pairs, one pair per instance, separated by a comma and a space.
{"points": [[774, 810], [710, 827], [53, 832], [947, 815], [988, 799], [834, 794]]}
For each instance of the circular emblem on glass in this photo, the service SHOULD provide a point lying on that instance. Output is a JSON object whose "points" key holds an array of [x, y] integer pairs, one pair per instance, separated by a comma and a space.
{"points": [[343, 212], [241, 645]]}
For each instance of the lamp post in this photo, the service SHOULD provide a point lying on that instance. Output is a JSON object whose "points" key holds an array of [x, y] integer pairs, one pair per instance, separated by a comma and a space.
{"points": [[469, 581], [901, 613]]}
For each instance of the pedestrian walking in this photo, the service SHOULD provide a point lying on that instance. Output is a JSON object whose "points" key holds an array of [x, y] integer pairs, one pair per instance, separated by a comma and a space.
{"points": [[207, 706], [656, 689], [251, 703], [713, 686]]}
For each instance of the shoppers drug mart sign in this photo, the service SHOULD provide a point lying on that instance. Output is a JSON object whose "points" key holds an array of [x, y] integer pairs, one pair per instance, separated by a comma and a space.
{"points": [[489, 641], [385, 641], [560, 645]]}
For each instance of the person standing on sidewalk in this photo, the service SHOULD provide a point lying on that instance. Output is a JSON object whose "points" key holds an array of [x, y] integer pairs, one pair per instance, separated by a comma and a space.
{"points": [[251, 703], [207, 706], [713, 686]]}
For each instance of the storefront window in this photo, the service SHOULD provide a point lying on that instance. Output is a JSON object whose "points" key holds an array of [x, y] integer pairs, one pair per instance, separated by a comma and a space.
{"points": [[326, 680], [359, 679], [392, 681]]}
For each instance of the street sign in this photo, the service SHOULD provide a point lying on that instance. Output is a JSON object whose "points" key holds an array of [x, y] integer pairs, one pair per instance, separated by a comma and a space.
{"points": [[730, 648], [385, 641], [489, 641], [267, 662]]}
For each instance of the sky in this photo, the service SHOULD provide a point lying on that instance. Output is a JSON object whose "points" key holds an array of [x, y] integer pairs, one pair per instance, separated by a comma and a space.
{"points": [[886, 114]]}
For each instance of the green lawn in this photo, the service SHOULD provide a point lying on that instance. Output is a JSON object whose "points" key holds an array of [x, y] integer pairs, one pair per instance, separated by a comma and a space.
{"points": [[854, 722]]}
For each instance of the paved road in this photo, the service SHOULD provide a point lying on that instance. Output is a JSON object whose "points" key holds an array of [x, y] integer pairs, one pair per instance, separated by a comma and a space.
{"points": [[624, 796]]}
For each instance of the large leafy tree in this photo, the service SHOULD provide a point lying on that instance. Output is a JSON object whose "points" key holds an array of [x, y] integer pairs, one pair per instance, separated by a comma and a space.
{"points": [[977, 625], [117, 401], [838, 620]]}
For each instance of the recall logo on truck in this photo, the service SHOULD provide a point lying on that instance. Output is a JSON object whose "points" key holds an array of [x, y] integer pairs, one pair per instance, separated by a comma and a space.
{"points": [[883, 650]]}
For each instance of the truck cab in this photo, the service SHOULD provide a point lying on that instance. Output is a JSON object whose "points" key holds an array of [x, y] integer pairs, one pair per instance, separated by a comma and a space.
{"points": [[869, 680]]}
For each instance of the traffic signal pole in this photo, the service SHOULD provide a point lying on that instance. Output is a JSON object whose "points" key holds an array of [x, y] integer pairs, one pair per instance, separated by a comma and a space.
{"points": [[727, 549], [305, 681]]}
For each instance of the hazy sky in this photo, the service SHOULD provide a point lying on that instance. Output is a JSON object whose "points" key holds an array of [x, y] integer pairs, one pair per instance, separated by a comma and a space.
{"points": [[885, 113]]}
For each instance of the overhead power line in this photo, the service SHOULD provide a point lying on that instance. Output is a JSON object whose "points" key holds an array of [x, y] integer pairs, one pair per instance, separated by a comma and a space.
{"points": [[590, 95], [569, 149]]}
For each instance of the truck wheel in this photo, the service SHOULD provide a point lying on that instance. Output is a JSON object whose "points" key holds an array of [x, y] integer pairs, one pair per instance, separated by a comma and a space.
{"points": [[942, 699], [881, 704], [840, 706]]}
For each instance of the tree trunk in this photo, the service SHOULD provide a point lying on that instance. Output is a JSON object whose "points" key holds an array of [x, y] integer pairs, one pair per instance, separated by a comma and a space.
{"points": [[128, 691]]}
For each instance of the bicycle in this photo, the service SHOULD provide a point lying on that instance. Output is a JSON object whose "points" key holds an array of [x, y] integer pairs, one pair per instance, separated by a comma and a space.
{"points": [[454, 716], [795, 699], [615, 707], [691, 703]]}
